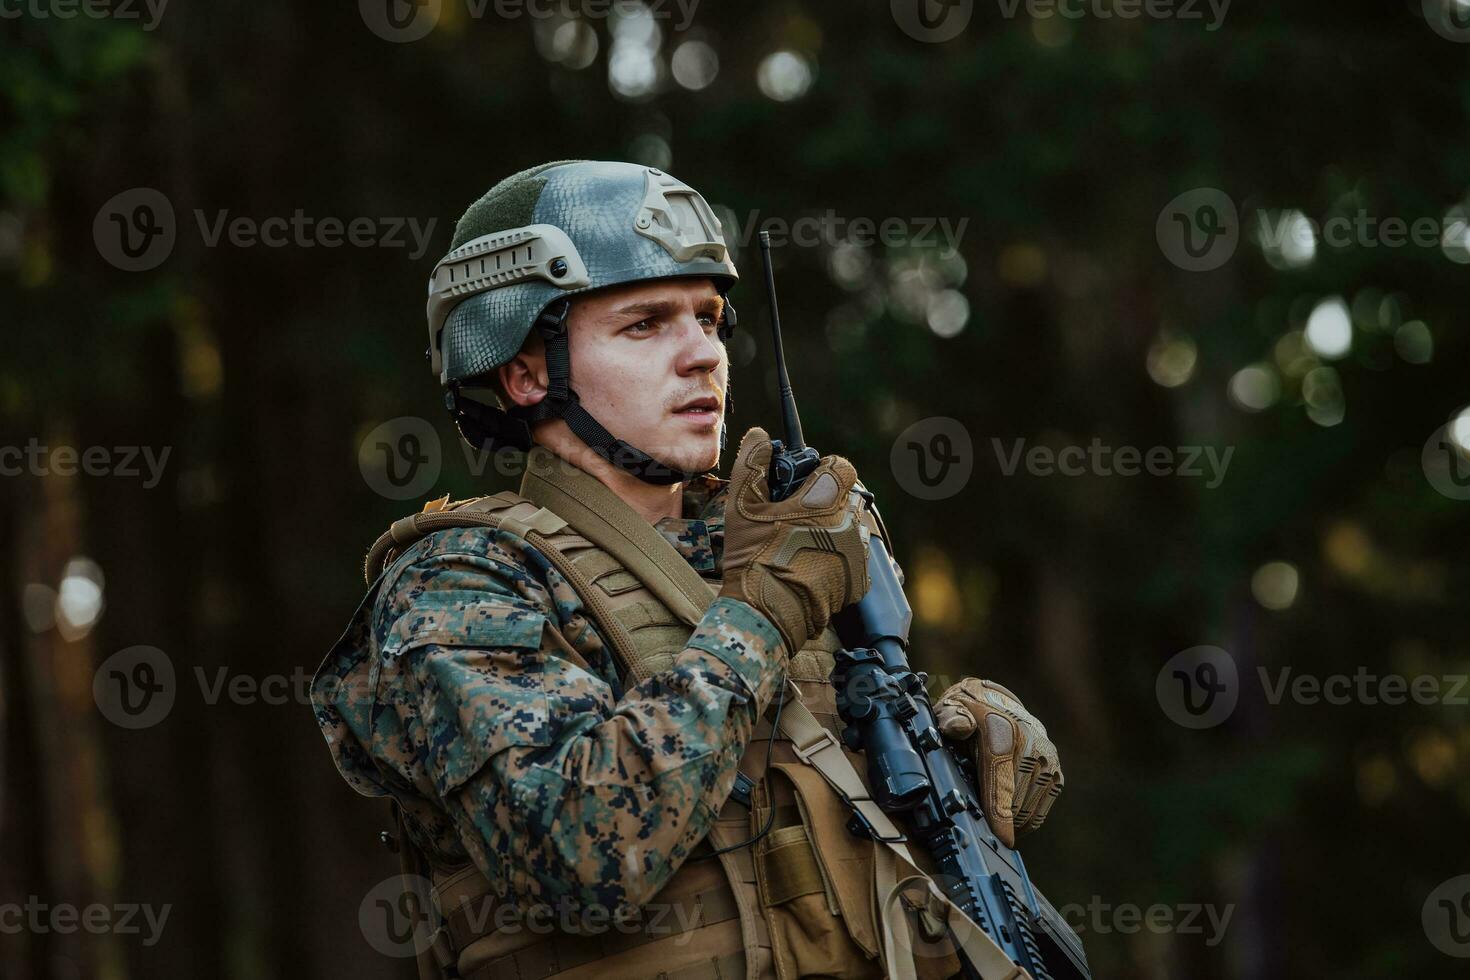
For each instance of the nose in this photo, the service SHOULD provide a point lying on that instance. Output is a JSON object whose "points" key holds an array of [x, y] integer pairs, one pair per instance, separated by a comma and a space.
{"points": [[700, 351]]}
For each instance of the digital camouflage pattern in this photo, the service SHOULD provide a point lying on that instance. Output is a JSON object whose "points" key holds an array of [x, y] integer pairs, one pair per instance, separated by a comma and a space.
{"points": [[473, 688]]}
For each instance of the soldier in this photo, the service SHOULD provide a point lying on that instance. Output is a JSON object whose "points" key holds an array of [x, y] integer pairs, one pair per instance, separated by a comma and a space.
{"points": [[574, 694]]}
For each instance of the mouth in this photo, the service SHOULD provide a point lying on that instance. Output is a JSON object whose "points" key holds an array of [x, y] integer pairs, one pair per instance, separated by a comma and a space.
{"points": [[704, 410]]}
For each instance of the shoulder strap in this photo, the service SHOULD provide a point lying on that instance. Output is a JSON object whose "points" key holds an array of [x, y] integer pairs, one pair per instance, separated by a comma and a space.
{"points": [[492, 512], [436, 516], [601, 516]]}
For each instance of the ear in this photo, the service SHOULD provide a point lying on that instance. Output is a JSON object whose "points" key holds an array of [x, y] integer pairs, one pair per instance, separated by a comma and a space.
{"points": [[524, 378]]}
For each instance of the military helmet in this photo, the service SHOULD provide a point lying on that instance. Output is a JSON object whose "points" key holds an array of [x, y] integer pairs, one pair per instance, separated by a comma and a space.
{"points": [[533, 241]]}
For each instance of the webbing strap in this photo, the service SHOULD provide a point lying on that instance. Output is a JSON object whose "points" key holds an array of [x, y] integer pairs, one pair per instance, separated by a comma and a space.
{"points": [[542, 522], [815, 746], [413, 867], [788, 867], [988, 959], [723, 836], [564, 950], [553, 958], [603, 518]]}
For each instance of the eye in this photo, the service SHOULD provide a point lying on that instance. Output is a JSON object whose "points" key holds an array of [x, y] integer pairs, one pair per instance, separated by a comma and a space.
{"points": [[641, 328], [709, 320]]}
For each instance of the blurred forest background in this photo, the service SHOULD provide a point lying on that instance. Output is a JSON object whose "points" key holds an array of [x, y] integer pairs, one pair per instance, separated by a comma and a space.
{"points": [[1058, 319]]}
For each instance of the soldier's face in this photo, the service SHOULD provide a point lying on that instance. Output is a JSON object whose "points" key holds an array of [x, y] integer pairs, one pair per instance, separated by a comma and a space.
{"points": [[648, 363]]}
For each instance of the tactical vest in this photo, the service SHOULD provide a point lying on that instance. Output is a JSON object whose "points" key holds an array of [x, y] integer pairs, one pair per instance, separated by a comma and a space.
{"points": [[801, 901]]}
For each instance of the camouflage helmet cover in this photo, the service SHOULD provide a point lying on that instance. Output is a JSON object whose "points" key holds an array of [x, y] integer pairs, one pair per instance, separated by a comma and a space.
{"points": [[555, 231]]}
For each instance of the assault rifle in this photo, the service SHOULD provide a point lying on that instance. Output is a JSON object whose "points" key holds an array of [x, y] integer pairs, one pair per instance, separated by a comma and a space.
{"points": [[912, 774]]}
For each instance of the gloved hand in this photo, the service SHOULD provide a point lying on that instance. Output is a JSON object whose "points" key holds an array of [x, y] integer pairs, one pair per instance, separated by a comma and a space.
{"points": [[800, 560], [1020, 774]]}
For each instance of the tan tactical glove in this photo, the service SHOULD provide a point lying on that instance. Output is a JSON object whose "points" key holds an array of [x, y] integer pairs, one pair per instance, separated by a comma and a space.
{"points": [[1020, 775], [800, 560]]}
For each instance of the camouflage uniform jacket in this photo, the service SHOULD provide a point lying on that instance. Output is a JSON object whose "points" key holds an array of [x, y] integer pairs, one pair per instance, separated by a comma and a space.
{"points": [[473, 680]]}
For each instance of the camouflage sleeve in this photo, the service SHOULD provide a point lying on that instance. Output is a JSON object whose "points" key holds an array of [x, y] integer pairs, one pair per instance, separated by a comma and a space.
{"points": [[561, 789]]}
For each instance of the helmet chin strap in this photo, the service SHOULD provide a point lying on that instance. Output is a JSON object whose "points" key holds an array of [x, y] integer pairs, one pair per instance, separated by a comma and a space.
{"points": [[562, 402]]}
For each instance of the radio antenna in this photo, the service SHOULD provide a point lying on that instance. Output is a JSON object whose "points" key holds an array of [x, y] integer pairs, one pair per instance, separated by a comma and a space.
{"points": [[794, 439]]}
